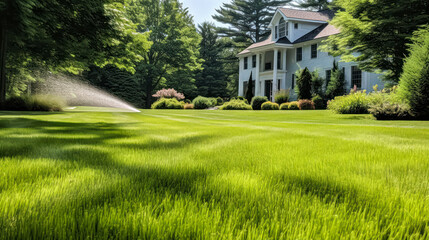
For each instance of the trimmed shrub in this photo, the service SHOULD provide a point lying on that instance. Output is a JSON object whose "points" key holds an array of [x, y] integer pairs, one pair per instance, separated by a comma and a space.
{"points": [[189, 106], [167, 103], [319, 103], [284, 106], [305, 104], [203, 102], [219, 101], [336, 85], [270, 106], [282, 96], [44, 103], [258, 101], [236, 105], [303, 84], [293, 106], [354, 103], [414, 82], [391, 111]]}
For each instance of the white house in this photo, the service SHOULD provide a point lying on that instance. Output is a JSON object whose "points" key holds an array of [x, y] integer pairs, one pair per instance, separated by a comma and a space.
{"points": [[294, 44]]}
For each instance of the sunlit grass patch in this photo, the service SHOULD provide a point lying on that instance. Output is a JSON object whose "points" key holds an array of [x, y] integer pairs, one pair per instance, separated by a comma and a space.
{"points": [[164, 174]]}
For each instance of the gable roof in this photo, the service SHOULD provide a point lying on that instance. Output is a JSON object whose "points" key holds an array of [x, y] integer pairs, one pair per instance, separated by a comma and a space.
{"points": [[323, 16], [322, 31]]}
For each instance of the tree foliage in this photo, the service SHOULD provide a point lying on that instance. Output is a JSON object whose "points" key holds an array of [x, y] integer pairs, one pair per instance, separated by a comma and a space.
{"points": [[414, 84], [175, 45], [313, 4], [379, 30], [211, 80], [247, 20]]}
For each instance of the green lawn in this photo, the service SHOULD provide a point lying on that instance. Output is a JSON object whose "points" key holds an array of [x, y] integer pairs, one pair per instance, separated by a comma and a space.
{"points": [[212, 175]]}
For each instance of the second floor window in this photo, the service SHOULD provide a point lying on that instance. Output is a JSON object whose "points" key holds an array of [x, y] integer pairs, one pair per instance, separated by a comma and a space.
{"points": [[279, 60], [253, 61], [287, 29], [314, 51], [296, 25], [299, 54], [282, 28], [246, 63], [356, 77]]}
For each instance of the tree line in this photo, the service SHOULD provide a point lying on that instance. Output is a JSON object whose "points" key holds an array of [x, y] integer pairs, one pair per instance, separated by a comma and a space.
{"points": [[132, 48]]}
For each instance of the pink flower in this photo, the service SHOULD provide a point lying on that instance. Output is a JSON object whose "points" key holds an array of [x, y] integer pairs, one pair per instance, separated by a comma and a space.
{"points": [[169, 93]]}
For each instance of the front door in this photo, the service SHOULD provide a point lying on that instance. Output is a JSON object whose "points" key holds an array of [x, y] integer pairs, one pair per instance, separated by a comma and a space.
{"points": [[269, 89]]}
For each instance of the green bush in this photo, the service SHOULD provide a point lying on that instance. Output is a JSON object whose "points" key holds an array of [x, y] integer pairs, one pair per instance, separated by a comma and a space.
{"points": [[257, 102], [305, 104], [293, 106], [219, 101], [414, 82], [270, 106], [319, 103], [44, 103], [236, 105], [203, 102], [284, 106], [354, 103], [391, 111], [168, 103], [282, 96]]}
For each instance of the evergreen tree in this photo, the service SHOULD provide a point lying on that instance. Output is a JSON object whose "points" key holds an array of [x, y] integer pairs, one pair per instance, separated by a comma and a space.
{"points": [[313, 4], [249, 91], [379, 31], [211, 81], [414, 84], [303, 84], [247, 20], [336, 85], [175, 44]]}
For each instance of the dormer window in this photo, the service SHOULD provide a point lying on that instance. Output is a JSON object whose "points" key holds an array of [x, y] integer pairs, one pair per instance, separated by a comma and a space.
{"points": [[296, 26], [282, 28], [276, 30]]}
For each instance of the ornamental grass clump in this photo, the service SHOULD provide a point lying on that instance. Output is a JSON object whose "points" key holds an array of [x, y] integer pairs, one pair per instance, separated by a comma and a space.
{"points": [[305, 104], [236, 105], [257, 102], [270, 106], [188, 106], [282, 96], [168, 103], [354, 103], [169, 93]]}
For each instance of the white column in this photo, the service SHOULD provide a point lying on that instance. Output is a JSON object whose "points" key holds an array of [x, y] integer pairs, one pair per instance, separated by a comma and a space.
{"points": [[263, 62], [275, 81], [240, 77], [284, 67], [258, 65]]}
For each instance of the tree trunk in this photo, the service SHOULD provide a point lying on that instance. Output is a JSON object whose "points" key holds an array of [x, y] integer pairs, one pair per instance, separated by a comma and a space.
{"points": [[3, 45]]}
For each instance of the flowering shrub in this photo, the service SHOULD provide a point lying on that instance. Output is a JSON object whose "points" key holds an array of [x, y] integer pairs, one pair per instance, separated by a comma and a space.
{"points": [[169, 93], [305, 104], [270, 106]]}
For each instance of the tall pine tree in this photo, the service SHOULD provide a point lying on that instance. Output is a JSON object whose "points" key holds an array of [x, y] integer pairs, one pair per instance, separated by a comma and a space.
{"points": [[211, 81]]}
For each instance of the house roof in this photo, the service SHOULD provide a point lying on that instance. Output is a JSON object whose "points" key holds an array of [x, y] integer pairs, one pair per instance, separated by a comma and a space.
{"points": [[324, 16], [322, 31]]}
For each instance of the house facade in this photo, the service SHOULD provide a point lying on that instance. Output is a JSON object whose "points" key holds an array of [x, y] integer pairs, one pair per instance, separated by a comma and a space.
{"points": [[296, 36]]}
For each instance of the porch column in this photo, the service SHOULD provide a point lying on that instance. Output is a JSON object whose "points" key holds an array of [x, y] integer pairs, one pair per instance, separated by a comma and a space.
{"points": [[284, 67], [275, 68], [258, 66]]}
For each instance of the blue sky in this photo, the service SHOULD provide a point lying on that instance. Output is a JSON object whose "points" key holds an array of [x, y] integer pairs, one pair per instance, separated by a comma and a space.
{"points": [[202, 10]]}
